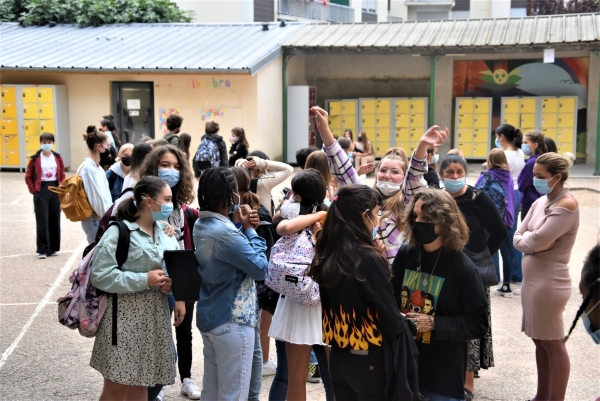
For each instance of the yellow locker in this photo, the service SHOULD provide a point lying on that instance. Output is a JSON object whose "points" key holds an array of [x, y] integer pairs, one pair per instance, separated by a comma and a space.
{"points": [[1, 151], [512, 119], [10, 142], [527, 122], [467, 148], [338, 132], [368, 120], [402, 135], [11, 157], [465, 120], [565, 135], [410, 148], [480, 150], [45, 95], [46, 110], [9, 110], [47, 126], [481, 106], [566, 120], [370, 131], [30, 111], [465, 134], [9, 94], [32, 143], [402, 120], [29, 153], [566, 105], [465, 106], [403, 145], [549, 105], [349, 122], [565, 147], [549, 132], [416, 134], [335, 108], [382, 135], [511, 106], [382, 120], [481, 120], [417, 106], [481, 135], [382, 106], [549, 120], [528, 105], [380, 148], [31, 127], [335, 122], [402, 106], [417, 120], [9, 127], [349, 107], [368, 106], [29, 94]]}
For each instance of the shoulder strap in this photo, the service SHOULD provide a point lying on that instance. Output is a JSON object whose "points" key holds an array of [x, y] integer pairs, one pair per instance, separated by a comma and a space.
{"points": [[123, 244], [486, 174], [190, 217], [125, 191], [112, 179]]}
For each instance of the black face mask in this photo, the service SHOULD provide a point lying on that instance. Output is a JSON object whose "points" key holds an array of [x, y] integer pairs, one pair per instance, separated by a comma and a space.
{"points": [[424, 233], [360, 139], [126, 160]]}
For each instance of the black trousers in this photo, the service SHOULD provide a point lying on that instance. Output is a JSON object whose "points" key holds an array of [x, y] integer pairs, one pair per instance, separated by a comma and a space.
{"points": [[357, 377], [47, 218], [183, 335]]}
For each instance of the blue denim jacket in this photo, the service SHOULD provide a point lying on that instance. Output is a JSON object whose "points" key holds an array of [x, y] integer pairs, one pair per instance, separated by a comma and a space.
{"points": [[226, 257]]}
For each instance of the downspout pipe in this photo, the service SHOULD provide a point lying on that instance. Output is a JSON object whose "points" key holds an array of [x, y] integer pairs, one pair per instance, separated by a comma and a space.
{"points": [[286, 59], [597, 164], [433, 59]]}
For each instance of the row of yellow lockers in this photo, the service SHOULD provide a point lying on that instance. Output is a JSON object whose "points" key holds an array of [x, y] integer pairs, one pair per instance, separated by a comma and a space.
{"points": [[29, 94], [30, 110], [32, 127], [473, 126]]}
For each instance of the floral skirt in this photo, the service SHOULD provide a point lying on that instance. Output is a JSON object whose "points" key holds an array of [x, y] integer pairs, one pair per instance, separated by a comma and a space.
{"points": [[480, 352]]}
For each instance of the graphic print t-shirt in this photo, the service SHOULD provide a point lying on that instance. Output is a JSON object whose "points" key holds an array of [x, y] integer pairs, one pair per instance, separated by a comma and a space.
{"points": [[454, 294], [48, 167]]}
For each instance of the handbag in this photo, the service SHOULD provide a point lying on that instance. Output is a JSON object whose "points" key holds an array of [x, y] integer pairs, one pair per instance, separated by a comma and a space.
{"points": [[485, 264]]}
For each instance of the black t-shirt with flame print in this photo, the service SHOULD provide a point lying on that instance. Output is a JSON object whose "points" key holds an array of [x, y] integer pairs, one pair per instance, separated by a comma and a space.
{"points": [[360, 310]]}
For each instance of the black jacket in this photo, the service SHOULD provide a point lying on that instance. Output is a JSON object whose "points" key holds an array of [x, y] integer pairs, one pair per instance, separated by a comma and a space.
{"points": [[237, 151], [218, 139]]}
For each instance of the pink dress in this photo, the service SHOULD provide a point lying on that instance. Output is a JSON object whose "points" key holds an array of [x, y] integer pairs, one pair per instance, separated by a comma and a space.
{"points": [[546, 238]]}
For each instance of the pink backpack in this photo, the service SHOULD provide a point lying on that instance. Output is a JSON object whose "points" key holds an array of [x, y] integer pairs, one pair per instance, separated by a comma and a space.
{"points": [[286, 273], [83, 306]]}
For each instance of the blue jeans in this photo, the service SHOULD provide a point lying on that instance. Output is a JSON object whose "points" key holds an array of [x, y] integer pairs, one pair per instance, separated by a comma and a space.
{"points": [[257, 365], [438, 397], [90, 227], [507, 246], [228, 354]]}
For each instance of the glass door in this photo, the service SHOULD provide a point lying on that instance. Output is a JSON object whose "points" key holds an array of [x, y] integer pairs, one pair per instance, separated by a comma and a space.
{"points": [[133, 108]]}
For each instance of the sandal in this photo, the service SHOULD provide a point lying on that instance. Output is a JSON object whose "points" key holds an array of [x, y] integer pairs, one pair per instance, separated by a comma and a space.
{"points": [[469, 396]]}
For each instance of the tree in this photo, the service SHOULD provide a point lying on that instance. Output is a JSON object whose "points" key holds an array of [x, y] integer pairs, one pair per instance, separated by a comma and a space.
{"points": [[551, 7], [91, 12]]}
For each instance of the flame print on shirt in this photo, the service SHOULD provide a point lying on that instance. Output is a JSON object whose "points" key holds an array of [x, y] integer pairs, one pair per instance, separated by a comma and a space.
{"points": [[417, 298], [349, 331]]}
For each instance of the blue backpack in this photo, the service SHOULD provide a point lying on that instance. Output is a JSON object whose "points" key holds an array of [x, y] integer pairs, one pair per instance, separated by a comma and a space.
{"points": [[208, 155], [495, 190]]}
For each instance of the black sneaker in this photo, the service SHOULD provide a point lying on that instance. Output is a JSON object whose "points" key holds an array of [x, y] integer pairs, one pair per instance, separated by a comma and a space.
{"points": [[504, 291]]}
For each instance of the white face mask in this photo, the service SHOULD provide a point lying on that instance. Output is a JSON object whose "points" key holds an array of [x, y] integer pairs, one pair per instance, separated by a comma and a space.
{"points": [[388, 188]]}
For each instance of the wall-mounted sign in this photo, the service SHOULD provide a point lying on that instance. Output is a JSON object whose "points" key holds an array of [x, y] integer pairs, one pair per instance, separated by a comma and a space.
{"points": [[548, 55], [134, 113], [133, 104]]}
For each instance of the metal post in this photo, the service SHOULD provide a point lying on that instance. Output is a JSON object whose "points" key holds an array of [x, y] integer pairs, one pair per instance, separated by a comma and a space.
{"points": [[286, 58], [597, 165], [433, 59]]}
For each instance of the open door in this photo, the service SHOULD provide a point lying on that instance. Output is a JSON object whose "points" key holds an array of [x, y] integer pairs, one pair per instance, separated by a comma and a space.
{"points": [[133, 108]]}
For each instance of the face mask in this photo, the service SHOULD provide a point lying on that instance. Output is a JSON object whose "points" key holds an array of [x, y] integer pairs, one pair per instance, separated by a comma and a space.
{"points": [[235, 207], [165, 210], [435, 158], [105, 157], [126, 160], [171, 176], [327, 202], [497, 142], [588, 325], [350, 154], [424, 233], [46, 147], [541, 185], [453, 186], [234, 139], [525, 149], [360, 139], [374, 229], [388, 188]]}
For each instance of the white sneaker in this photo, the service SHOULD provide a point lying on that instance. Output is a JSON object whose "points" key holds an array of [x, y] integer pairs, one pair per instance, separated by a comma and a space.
{"points": [[161, 395], [189, 389], [269, 368], [42, 256], [517, 291]]}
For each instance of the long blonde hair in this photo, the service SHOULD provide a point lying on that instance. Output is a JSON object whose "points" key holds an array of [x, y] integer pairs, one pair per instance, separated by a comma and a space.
{"points": [[394, 205]]}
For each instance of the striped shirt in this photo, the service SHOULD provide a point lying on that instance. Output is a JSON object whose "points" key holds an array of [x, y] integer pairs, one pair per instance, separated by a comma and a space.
{"points": [[340, 165]]}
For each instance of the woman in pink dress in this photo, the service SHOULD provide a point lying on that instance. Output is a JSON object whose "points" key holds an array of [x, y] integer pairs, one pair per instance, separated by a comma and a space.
{"points": [[546, 238]]}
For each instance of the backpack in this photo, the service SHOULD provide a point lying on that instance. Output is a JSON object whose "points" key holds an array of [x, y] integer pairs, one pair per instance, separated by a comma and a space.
{"points": [[290, 258], [171, 139], [84, 305], [495, 190], [73, 199], [208, 155], [267, 298]]}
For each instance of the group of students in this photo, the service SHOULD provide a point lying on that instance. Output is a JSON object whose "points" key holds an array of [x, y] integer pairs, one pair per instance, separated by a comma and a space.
{"points": [[402, 268]]}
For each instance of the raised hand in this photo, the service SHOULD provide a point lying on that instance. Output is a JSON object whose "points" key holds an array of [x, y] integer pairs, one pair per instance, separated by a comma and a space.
{"points": [[365, 168], [321, 117], [434, 136]]}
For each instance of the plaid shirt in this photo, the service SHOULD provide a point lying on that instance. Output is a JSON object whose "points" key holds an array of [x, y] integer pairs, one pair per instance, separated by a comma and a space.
{"points": [[340, 165]]}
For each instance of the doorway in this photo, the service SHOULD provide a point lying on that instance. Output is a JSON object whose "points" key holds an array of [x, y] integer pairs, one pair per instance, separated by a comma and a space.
{"points": [[133, 108]]}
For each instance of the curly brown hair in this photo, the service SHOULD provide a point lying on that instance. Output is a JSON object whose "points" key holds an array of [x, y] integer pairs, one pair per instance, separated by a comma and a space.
{"points": [[183, 192], [440, 208]]}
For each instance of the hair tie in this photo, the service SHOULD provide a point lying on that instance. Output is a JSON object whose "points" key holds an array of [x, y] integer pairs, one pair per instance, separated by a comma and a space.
{"points": [[247, 189], [335, 198]]}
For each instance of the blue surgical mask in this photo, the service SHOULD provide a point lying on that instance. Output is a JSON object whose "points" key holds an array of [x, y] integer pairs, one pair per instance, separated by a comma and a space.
{"points": [[588, 325], [234, 139], [235, 207], [541, 185], [497, 143], [374, 229], [453, 186], [435, 158], [165, 210], [350, 154], [171, 176], [327, 202], [525, 149], [47, 147]]}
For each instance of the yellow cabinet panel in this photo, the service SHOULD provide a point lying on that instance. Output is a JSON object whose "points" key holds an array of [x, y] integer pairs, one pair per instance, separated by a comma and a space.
{"points": [[467, 148], [402, 135], [403, 145], [370, 131], [32, 143], [46, 110], [9, 94], [402, 120], [9, 110], [512, 106], [29, 94], [481, 135], [45, 95], [465, 120], [549, 105], [32, 127], [417, 120], [382, 120], [30, 111], [410, 148], [465, 106], [349, 107], [11, 157], [335, 122], [368, 120], [368, 106], [528, 105], [566, 120], [10, 142], [335, 108], [349, 122], [481, 120], [480, 150], [566, 105], [527, 122], [565, 135], [402, 106], [29, 153], [382, 135], [465, 134], [338, 132], [549, 132], [47, 126], [549, 120], [565, 147], [481, 106], [9, 127], [382, 106], [416, 134], [512, 119], [417, 106]]}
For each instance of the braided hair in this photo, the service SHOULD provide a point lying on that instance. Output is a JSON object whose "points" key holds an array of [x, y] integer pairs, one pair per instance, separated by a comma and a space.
{"points": [[216, 188], [590, 276]]}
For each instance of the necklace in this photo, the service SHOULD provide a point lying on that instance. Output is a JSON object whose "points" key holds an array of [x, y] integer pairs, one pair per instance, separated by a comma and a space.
{"points": [[425, 281]]}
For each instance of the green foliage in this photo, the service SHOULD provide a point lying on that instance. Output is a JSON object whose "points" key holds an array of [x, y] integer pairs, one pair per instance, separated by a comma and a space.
{"points": [[550, 7], [91, 12]]}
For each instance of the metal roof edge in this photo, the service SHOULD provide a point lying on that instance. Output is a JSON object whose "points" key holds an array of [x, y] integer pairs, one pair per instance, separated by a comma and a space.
{"points": [[202, 71], [266, 60]]}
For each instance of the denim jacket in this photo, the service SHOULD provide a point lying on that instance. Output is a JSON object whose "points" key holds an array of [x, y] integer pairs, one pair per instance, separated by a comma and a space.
{"points": [[227, 259]]}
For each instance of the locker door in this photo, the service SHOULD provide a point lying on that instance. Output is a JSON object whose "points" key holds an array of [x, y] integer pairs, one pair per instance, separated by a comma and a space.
{"points": [[32, 128], [480, 135], [565, 135], [10, 142], [415, 134], [527, 122], [465, 106], [9, 127], [29, 94], [368, 120], [349, 122], [480, 150], [417, 120], [566, 120], [481, 106], [368, 106], [511, 106], [9, 110], [380, 147], [402, 106], [417, 106], [549, 120], [382, 106], [467, 148], [513, 119], [335, 122], [45, 95], [382, 135], [565, 147], [549, 132], [402, 135], [11, 157], [402, 120], [30, 111], [566, 105], [481, 120], [349, 107], [47, 126], [335, 108], [528, 105], [9, 94], [549, 105], [382, 120], [32, 143], [338, 132], [465, 120], [403, 145]]}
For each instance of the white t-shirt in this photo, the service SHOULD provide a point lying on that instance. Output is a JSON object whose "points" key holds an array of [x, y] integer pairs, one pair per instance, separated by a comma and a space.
{"points": [[48, 167], [516, 161]]}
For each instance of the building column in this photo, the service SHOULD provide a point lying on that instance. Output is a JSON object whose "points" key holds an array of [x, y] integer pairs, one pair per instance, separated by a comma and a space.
{"points": [[382, 10]]}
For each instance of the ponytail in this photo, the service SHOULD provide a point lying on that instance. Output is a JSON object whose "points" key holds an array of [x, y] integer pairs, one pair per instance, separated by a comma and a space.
{"points": [[108, 122], [512, 134], [593, 289]]}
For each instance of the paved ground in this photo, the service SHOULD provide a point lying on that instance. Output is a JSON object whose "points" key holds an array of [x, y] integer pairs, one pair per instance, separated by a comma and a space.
{"points": [[42, 360]]}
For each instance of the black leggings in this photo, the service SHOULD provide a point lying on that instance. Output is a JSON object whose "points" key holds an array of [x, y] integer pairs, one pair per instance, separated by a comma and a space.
{"points": [[47, 219], [183, 335]]}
